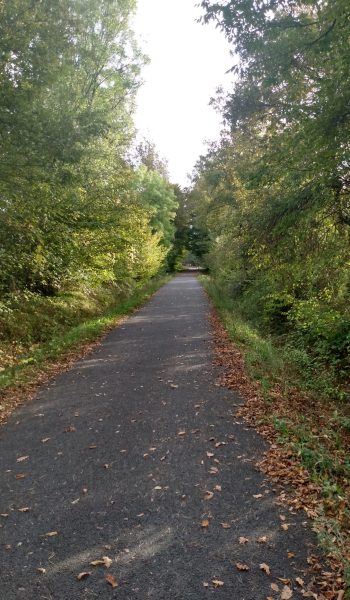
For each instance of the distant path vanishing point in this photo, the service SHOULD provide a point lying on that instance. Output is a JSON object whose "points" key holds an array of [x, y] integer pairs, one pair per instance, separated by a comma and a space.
{"points": [[136, 454]]}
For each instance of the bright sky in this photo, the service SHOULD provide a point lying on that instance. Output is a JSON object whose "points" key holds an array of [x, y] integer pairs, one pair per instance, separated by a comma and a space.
{"points": [[188, 63]]}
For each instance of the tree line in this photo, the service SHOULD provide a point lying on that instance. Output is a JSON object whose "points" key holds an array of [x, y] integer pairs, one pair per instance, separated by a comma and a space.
{"points": [[78, 208], [272, 194]]}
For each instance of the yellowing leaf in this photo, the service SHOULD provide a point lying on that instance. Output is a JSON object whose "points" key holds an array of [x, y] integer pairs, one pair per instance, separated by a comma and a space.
{"points": [[111, 580]]}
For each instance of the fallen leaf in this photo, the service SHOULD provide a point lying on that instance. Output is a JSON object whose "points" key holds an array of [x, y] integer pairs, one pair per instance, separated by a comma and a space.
{"points": [[218, 488], [213, 470], [286, 593], [241, 566], [181, 433], [20, 476], [300, 581], [210, 454], [225, 525], [217, 583], [4, 515], [24, 509], [290, 554], [51, 534], [44, 440], [174, 386], [41, 570], [285, 526], [97, 563], [257, 496], [70, 429], [243, 540], [107, 561], [158, 487], [205, 523], [208, 495], [262, 539], [266, 568], [205, 584], [111, 580], [275, 587], [92, 447], [83, 575], [22, 459]]}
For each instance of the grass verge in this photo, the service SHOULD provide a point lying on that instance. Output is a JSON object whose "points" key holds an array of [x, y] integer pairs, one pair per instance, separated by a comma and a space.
{"points": [[309, 432], [37, 362]]}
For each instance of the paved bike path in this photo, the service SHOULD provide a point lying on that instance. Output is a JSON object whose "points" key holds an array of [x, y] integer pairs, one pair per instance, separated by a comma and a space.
{"points": [[127, 455]]}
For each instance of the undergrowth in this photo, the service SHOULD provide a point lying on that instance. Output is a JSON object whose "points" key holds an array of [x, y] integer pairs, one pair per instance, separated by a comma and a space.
{"points": [[37, 330]]}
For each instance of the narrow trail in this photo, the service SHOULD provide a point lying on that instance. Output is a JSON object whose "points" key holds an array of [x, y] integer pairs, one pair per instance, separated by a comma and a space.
{"points": [[126, 455]]}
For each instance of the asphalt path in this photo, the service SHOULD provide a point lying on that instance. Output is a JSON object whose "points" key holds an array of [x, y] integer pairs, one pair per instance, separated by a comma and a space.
{"points": [[136, 454]]}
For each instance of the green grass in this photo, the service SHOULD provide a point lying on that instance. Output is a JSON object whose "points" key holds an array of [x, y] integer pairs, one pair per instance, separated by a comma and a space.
{"points": [[58, 336]]}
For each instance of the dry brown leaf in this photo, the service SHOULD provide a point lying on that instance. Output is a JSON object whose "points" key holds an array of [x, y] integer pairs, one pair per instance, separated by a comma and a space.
{"points": [[174, 386], [83, 575], [41, 570], [205, 523], [225, 525], [111, 580], [217, 583], [266, 568], [257, 496], [299, 581], [210, 454], [22, 459], [285, 526], [241, 567], [70, 429], [213, 470], [243, 540], [275, 587], [20, 476], [205, 584], [51, 534], [24, 509], [218, 488], [4, 515], [181, 433], [44, 440], [286, 593], [262, 539], [107, 561], [97, 563], [208, 495], [158, 487]]}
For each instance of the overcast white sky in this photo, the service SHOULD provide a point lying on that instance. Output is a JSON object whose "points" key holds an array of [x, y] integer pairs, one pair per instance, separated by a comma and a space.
{"points": [[188, 63]]}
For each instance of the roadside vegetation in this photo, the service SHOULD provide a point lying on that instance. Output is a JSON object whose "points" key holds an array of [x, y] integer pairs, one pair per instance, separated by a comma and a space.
{"points": [[86, 214], [271, 202]]}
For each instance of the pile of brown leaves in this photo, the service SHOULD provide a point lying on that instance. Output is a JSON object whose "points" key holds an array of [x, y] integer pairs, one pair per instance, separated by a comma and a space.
{"points": [[280, 463]]}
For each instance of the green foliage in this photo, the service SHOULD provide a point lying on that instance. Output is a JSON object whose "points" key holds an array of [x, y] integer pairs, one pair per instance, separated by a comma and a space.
{"points": [[74, 212], [274, 192]]}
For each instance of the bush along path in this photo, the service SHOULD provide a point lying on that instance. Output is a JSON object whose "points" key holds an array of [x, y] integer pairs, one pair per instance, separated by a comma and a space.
{"points": [[133, 476]]}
